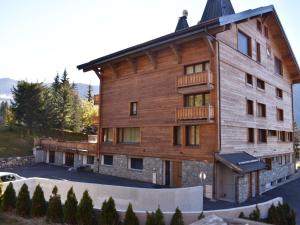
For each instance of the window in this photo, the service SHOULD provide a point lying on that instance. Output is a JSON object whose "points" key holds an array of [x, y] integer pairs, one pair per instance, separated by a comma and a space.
{"points": [[260, 84], [90, 159], [287, 158], [259, 26], [249, 79], [136, 163], [197, 100], [279, 159], [251, 135], [272, 133], [51, 157], [177, 136], [278, 66], [290, 136], [192, 135], [197, 68], [244, 44], [280, 115], [107, 135], [279, 93], [266, 32], [262, 136], [268, 51], [133, 108], [258, 54], [269, 163], [261, 110], [107, 160], [281, 136], [250, 107], [129, 135]]}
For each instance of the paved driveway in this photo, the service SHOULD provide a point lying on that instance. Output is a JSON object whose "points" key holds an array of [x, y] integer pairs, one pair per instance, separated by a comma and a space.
{"points": [[62, 173]]}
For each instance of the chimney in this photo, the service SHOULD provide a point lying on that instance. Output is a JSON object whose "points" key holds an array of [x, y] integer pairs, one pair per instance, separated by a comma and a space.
{"points": [[182, 22], [217, 8]]}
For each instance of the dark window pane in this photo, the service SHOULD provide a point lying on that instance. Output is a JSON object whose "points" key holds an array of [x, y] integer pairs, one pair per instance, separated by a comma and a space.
{"points": [[177, 135], [249, 79], [260, 84], [278, 66], [136, 164], [133, 108], [107, 135], [244, 44], [108, 160], [249, 107], [262, 136], [251, 135], [90, 159]]}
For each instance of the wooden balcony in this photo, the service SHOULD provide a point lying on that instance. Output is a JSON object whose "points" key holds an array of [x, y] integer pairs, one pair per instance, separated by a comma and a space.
{"points": [[195, 113], [194, 82], [96, 99], [96, 120]]}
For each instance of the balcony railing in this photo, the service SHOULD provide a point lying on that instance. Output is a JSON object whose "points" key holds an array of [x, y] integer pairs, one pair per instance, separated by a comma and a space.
{"points": [[195, 113], [202, 78], [96, 99]]}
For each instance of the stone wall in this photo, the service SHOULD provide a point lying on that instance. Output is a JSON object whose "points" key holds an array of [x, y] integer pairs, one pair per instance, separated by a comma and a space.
{"points": [[16, 161], [120, 169], [278, 172], [243, 187]]}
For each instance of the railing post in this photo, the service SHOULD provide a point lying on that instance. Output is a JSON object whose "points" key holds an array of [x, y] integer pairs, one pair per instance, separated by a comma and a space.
{"points": [[209, 112], [209, 77]]}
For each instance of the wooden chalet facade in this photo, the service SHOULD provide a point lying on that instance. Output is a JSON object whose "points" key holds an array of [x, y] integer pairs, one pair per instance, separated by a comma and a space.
{"points": [[214, 98]]}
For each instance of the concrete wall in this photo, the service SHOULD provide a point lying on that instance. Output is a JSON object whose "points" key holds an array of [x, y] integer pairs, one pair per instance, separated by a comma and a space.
{"points": [[142, 199]]}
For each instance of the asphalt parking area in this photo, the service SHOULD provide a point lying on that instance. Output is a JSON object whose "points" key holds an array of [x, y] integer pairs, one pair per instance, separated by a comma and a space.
{"points": [[62, 173]]}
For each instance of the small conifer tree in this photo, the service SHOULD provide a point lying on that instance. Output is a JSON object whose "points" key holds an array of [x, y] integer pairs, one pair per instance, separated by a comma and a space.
{"points": [[109, 214], [9, 198], [85, 210], [130, 217], [55, 210], [23, 202], [177, 218], [39, 206], [159, 217], [255, 215], [242, 215], [70, 208], [151, 220]]}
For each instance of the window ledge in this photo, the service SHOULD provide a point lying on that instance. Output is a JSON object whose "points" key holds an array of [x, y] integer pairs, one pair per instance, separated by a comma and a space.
{"points": [[107, 165], [249, 85], [135, 170], [260, 89]]}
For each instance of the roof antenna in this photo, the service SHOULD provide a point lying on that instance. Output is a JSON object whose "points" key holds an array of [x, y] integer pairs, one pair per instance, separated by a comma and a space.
{"points": [[185, 13]]}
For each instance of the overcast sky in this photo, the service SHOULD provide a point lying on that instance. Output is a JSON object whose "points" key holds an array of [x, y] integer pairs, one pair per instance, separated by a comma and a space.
{"points": [[39, 38]]}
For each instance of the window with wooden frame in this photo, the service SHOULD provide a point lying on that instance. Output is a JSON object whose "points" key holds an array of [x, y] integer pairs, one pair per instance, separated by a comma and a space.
{"points": [[280, 114], [197, 68], [244, 44], [250, 135], [268, 162], [135, 164], [250, 107], [258, 52], [177, 136], [279, 93], [129, 135], [107, 135], [260, 84], [268, 49], [259, 26], [278, 66], [197, 100], [107, 160], [281, 136], [249, 79], [261, 110], [266, 29], [133, 108], [290, 137], [262, 136], [192, 135], [272, 133]]}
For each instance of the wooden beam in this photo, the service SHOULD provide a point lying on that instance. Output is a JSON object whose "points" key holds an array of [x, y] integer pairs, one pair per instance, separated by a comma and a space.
{"points": [[152, 59], [209, 45], [97, 70], [176, 52], [113, 69], [132, 63]]}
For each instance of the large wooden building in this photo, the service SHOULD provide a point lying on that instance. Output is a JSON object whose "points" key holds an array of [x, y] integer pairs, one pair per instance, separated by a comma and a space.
{"points": [[214, 98]]}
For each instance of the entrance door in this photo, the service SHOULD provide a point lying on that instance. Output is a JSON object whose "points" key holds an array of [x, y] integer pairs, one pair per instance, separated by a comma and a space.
{"points": [[69, 159], [167, 173], [51, 157], [177, 173], [250, 185]]}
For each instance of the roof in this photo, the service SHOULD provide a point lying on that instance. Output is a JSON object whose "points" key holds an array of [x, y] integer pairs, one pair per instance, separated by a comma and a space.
{"points": [[241, 162], [202, 27], [217, 8]]}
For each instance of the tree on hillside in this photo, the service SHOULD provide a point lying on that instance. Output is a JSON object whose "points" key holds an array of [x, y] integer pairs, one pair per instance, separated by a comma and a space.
{"points": [[89, 95], [89, 110], [55, 85]]}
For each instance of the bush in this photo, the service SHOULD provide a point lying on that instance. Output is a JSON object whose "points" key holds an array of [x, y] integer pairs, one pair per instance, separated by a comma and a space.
{"points": [[177, 218], [39, 206], [281, 215], [70, 208], [130, 217], [255, 215], [55, 210], [242, 215], [159, 217], [23, 202], [150, 219], [9, 198], [109, 214], [85, 210]]}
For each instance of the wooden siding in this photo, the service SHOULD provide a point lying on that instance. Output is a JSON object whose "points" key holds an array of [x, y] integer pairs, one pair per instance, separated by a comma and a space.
{"points": [[235, 91], [96, 99], [154, 87]]}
